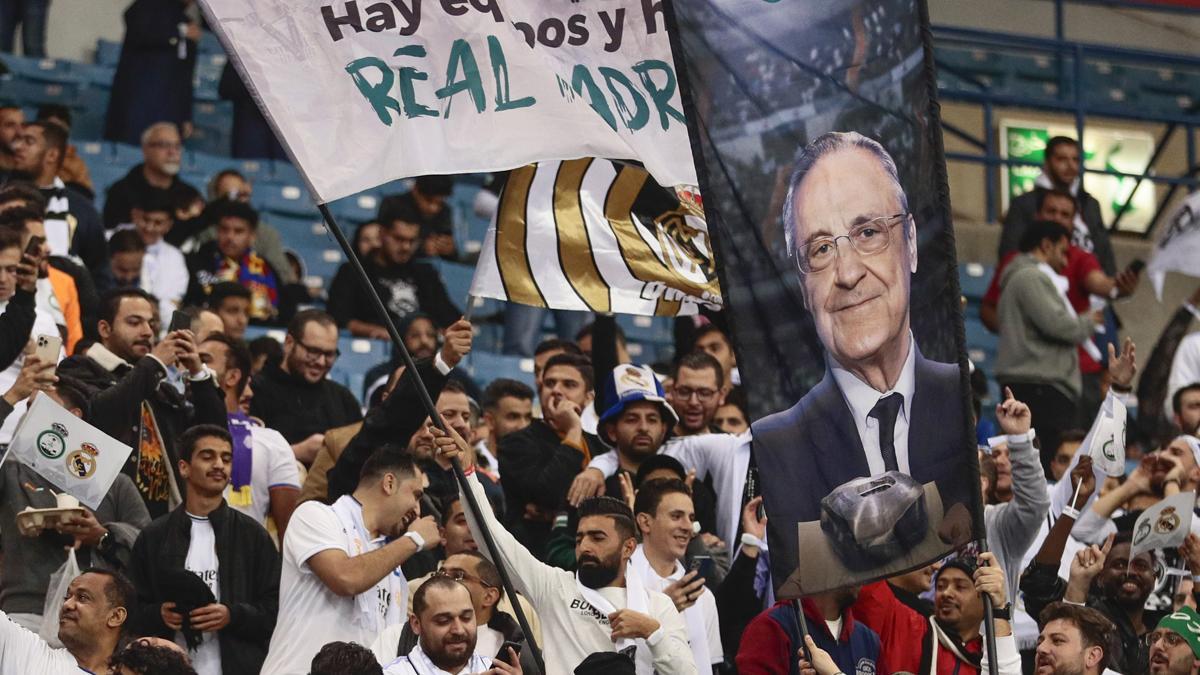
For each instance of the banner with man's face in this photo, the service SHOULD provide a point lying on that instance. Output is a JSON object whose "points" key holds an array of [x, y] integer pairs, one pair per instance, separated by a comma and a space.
{"points": [[824, 188]]}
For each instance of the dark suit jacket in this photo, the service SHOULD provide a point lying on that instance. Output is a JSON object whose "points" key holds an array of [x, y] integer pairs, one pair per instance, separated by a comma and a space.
{"points": [[806, 451]]}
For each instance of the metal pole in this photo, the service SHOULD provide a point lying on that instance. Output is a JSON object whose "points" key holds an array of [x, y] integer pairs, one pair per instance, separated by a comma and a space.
{"points": [[989, 624], [427, 402]]}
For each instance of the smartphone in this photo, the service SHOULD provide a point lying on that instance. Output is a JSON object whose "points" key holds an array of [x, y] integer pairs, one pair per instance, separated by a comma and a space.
{"points": [[179, 321], [1137, 266], [503, 655], [34, 248], [703, 566], [47, 348]]}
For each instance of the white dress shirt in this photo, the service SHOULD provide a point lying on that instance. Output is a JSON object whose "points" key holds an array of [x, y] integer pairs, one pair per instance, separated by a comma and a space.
{"points": [[165, 274], [862, 397]]}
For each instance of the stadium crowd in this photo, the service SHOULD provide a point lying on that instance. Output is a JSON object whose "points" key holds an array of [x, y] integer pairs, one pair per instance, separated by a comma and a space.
{"points": [[272, 521]]}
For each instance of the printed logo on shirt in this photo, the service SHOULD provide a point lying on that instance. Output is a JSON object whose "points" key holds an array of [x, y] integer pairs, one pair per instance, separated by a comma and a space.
{"points": [[864, 666], [400, 297], [585, 609], [385, 600]]}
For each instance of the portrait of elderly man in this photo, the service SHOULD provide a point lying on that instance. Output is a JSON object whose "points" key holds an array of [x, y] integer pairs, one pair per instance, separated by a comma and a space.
{"points": [[881, 406]]}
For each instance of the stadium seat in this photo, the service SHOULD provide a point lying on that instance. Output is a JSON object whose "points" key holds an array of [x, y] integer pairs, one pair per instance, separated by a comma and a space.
{"points": [[457, 277], [40, 70], [355, 209], [108, 53], [291, 200], [32, 93], [973, 280], [484, 367], [126, 155]]}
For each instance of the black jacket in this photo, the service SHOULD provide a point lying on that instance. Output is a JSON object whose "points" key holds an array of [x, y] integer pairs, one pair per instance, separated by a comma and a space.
{"points": [[411, 287], [298, 408], [537, 468], [115, 391], [16, 323], [123, 194], [395, 421], [248, 578]]}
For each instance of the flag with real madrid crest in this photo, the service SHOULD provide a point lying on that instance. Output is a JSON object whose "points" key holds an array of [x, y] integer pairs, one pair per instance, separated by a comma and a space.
{"points": [[75, 456]]}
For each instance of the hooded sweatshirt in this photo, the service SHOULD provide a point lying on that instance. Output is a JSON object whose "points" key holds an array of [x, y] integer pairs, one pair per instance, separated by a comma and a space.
{"points": [[1038, 330]]}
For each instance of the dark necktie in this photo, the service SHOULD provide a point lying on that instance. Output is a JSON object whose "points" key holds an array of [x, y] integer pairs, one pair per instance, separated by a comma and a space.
{"points": [[884, 412]]}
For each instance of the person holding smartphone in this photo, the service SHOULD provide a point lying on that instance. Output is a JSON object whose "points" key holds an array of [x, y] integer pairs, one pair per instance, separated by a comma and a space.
{"points": [[664, 514]]}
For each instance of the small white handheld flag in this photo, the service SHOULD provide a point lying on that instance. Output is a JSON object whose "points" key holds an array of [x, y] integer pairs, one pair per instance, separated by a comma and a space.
{"points": [[1164, 525], [1107, 448], [76, 457]]}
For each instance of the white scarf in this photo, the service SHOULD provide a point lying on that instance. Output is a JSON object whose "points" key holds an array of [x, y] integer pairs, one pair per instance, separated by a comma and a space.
{"points": [[379, 606], [636, 600], [697, 627], [1061, 284]]}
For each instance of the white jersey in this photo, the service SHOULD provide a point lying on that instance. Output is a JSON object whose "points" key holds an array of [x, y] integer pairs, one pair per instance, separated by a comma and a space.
{"points": [[417, 663], [311, 615], [23, 652], [273, 465], [573, 628]]}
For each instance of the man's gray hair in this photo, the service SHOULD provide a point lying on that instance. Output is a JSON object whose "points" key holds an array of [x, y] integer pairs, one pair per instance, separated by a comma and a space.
{"points": [[157, 126], [821, 146]]}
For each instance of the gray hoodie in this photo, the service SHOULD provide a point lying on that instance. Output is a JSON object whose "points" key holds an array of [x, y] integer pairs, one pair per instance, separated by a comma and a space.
{"points": [[1038, 332]]}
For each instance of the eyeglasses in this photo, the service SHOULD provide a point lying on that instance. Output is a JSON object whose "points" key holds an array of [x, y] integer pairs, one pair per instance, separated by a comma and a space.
{"points": [[320, 354], [165, 145], [685, 393], [1170, 637], [866, 239], [459, 575]]}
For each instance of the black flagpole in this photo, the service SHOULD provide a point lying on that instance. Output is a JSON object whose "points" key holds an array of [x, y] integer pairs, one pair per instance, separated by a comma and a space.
{"points": [[411, 367]]}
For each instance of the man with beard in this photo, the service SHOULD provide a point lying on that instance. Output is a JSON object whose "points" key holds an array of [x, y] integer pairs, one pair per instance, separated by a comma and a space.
{"points": [[444, 621], [1074, 641], [295, 397], [637, 422], [162, 155], [538, 463], [404, 283], [600, 608], [1175, 644], [90, 626], [73, 226], [770, 642], [1107, 578], [229, 551], [952, 642], [1186, 404], [127, 369], [341, 578], [11, 119], [507, 408], [697, 391]]}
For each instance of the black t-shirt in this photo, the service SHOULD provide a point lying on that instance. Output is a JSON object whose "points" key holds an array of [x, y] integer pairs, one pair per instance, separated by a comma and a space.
{"points": [[404, 289]]}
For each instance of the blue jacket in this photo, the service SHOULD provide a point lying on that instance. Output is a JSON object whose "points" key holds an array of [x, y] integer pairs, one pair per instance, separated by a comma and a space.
{"points": [[773, 638]]}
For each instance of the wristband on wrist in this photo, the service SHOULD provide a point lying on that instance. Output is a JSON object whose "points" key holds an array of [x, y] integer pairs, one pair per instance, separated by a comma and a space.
{"points": [[416, 539], [1070, 512], [751, 540]]}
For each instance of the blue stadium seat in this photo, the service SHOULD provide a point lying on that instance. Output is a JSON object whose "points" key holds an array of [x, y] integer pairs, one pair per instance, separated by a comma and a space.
{"points": [[282, 171], [108, 52], [31, 93], [95, 74], [209, 44], [484, 367], [126, 155], [215, 140], [457, 277], [94, 151], [40, 70], [355, 209], [973, 279], [291, 200]]}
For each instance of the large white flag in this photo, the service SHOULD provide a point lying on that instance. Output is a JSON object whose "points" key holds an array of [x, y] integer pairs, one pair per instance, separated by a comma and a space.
{"points": [[76, 457], [366, 92], [565, 236], [1178, 247]]}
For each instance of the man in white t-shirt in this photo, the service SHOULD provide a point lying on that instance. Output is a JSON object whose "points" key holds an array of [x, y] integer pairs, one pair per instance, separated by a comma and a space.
{"points": [[164, 269], [443, 618], [600, 607], [664, 513], [91, 622], [274, 479], [228, 629], [341, 575]]}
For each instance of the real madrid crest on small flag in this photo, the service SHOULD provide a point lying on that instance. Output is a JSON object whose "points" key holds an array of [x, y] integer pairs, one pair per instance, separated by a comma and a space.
{"points": [[76, 457], [1164, 525]]}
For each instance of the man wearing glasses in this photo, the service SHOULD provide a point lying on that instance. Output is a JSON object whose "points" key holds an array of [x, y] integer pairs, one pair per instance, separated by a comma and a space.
{"points": [[698, 389], [295, 397], [881, 406]]}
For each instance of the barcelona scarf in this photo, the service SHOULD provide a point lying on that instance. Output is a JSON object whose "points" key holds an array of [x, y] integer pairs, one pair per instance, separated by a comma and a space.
{"points": [[240, 428], [253, 273]]}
